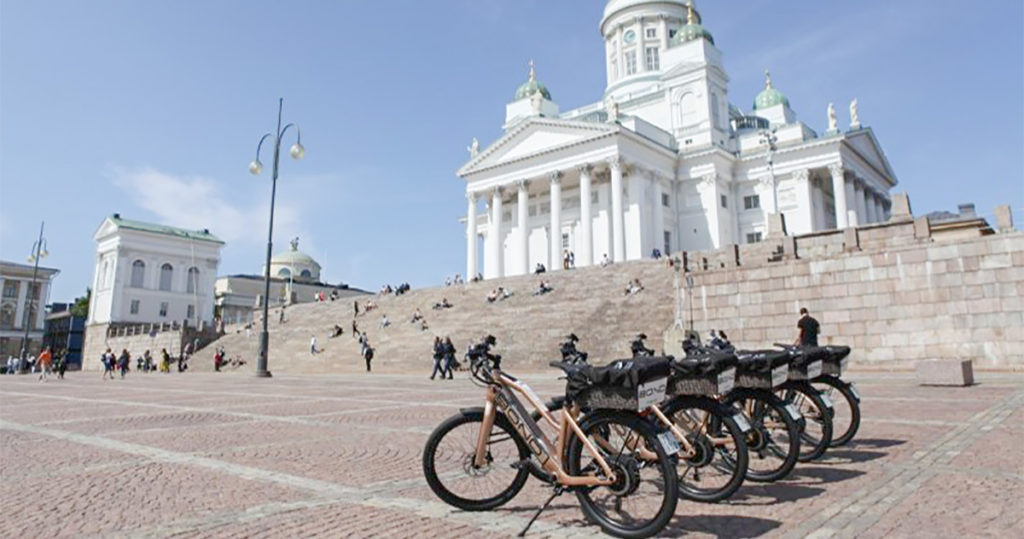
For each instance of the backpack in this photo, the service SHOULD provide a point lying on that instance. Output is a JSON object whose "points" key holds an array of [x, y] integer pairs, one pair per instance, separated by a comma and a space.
{"points": [[369, 354]]}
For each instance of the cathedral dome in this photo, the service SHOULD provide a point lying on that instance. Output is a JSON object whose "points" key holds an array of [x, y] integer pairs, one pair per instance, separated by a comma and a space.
{"points": [[295, 264], [769, 97], [532, 86]]}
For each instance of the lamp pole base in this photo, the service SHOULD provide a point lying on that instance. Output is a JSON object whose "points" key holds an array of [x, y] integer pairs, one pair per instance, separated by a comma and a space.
{"points": [[263, 374]]}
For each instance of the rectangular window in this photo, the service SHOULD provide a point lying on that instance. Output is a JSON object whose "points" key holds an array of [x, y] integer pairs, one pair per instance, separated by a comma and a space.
{"points": [[134, 308], [163, 309], [191, 312], [753, 237], [565, 241], [668, 242], [33, 290], [651, 32], [631, 62], [664, 199], [671, 34], [725, 201], [751, 202], [11, 289], [653, 61]]}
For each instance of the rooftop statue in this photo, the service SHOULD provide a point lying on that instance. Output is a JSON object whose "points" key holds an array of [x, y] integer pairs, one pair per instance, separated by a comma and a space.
{"points": [[295, 243], [833, 124], [474, 148], [611, 106], [854, 116]]}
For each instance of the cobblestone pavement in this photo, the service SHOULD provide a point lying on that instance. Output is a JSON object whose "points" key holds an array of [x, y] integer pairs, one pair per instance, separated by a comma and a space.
{"points": [[208, 455]]}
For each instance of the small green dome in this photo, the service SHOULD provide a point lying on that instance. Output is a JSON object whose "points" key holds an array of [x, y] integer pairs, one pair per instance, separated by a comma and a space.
{"points": [[532, 86], [691, 32], [769, 97]]}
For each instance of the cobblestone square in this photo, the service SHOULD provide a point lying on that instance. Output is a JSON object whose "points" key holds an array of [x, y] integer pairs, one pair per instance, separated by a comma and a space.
{"points": [[227, 455]]}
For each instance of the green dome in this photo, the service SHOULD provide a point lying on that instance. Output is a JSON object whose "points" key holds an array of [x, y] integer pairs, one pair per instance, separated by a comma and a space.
{"points": [[769, 97], [532, 86], [692, 30]]}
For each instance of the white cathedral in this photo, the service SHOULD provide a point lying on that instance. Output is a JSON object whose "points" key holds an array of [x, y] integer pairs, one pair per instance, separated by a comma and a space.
{"points": [[664, 161]]}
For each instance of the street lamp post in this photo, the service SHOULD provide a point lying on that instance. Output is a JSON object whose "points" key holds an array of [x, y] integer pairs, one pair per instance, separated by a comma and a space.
{"points": [[769, 138], [38, 251], [296, 151]]}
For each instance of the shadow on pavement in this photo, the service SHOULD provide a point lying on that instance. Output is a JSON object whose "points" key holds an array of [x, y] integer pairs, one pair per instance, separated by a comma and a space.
{"points": [[719, 525], [851, 456], [772, 493], [817, 475], [877, 443]]}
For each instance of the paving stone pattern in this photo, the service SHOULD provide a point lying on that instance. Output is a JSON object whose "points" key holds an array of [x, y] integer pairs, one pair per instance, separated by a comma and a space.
{"points": [[226, 455]]}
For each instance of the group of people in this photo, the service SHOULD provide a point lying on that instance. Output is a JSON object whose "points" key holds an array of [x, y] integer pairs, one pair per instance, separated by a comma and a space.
{"points": [[47, 363], [320, 297], [444, 358], [633, 287], [451, 281], [220, 360], [543, 288], [387, 289], [498, 294], [122, 363]]}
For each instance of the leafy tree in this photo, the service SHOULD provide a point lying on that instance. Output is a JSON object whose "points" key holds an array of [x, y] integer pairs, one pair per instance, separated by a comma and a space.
{"points": [[81, 306]]}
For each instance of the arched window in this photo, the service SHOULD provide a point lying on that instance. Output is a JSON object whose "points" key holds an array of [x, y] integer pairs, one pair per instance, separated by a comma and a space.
{"points": [[284, 273], [193, 280], [138, 274], [688, 109], [305, 273], [166, 274]]}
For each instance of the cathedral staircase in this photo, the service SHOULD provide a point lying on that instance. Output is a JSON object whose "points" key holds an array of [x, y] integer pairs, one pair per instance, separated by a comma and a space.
{"points": [[589, 302]]}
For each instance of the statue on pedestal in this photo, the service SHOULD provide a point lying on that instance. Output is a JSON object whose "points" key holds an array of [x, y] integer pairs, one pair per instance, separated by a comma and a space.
{"points": [[833, 123], [611, 107], [854, 116], [474, 148], [536, 100]]}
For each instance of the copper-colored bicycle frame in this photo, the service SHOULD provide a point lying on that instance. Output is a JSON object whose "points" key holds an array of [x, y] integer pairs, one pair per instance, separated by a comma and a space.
{"points": [[551, 460]]}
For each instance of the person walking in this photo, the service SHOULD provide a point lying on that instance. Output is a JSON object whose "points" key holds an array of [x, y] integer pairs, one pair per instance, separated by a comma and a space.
{"points": [[147, 361], [312, 345], [45, 361], [448, 358], [808, 329], [438, 358], [108, 364], [122, 362], [62, 363], [365, 350], [165, 361]]}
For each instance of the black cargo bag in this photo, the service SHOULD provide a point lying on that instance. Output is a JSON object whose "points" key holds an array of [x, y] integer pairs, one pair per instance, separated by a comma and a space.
{"points": [[616, 385], [703, 372], [761, 369]]}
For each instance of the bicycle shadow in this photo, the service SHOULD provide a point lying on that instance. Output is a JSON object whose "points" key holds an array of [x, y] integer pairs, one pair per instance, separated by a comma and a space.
{"points": [[820, 475], [753, 494], [876, 443], [719, 526]]}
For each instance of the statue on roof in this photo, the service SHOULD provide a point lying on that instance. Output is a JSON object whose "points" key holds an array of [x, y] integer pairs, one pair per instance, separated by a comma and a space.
{"points": [[854, 115], [536, 100], [833, 123], [611, 107], [474, 148], [295, 243]]}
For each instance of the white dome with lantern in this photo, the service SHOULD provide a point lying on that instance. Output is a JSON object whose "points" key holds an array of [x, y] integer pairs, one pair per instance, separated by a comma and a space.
{"points": [[295, 264]]}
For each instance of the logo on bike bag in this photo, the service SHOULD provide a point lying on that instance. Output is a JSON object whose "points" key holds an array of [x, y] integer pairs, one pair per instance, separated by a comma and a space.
{"points": [[651, 393], [726, 381], [814, 369], [779, 375]]}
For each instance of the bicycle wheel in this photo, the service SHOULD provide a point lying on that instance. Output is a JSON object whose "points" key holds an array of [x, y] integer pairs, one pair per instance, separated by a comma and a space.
{"points": [[846, 408], [450, 472], [773, 442], [719, 463], [644, 495], [816, 429]]}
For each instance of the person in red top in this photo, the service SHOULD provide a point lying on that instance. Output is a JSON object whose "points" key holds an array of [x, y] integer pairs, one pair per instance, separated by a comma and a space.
{"points": [[44, 362]]}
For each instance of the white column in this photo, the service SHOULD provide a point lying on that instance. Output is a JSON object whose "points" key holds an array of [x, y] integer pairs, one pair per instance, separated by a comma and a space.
{"points": [[869, 205], [618, 239], [839, 195], [659, 215], [471, 257], [802, 220], [522, 204], [619, 53], [852, 217], [497, 243], [641, 56], [862, 211], [556, 222], [585, 256], [663, 33]]}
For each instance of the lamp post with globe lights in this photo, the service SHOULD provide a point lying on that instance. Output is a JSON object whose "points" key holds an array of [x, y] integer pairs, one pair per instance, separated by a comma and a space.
{"points": [[38, 251], [256, 167]]}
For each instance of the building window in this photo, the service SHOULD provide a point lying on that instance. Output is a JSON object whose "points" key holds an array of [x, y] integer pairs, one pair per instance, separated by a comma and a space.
{"points": [[163, 309], [630, 63], [284, 273], [33, 291], [11, 289], [565, 241], [166, 274], [664, 199], [751, 202], [191, 312], [653, 62], [134, 307], [138, 274], [306, 274], [651, 33], [753, 237], [725, 201], [668, 242], [672, 33], [7, 316], [193, 280]]}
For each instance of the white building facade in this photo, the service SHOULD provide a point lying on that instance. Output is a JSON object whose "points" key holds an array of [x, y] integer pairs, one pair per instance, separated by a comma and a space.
{"points": [[148, 273], [665, 161], [22, 304]]}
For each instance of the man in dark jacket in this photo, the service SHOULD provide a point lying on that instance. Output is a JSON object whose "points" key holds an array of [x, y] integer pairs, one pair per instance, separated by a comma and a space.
{"points": [[638, 348], [809, 329]]}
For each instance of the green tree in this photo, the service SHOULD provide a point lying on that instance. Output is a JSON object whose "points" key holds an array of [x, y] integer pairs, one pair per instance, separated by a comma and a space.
{"points": [[81, 306]]}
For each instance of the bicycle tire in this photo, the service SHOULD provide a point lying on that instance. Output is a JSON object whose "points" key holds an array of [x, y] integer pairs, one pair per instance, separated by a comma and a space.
{"points": [[721, 423], [437, 484], [851, 400], [663, 467], [760, 441], [812, 447]]}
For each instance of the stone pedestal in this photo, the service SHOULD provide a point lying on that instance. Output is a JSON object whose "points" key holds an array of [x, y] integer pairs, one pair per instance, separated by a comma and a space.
{"points": [[1004, 219], [673, 344], [945, 372], [900, 210], [776, 225]]}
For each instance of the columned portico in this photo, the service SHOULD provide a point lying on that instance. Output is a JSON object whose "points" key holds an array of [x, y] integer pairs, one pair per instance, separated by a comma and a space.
{"points": [[618, 228], [495, 266], [471, 256], [839, 195], [523, 230], [801, 221], [869, 205], [555, 241], [586, 243], [859, 193], [658, 230]]}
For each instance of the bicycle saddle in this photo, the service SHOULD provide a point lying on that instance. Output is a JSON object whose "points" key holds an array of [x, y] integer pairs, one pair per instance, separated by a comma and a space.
{"points": [[568, 368]]}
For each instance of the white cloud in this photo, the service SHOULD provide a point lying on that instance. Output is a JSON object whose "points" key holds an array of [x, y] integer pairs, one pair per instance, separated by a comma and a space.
{"points": [[198, 202]]}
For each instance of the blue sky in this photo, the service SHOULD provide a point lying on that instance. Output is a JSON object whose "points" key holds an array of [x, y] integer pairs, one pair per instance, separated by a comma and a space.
{"points": [[153, 109]]}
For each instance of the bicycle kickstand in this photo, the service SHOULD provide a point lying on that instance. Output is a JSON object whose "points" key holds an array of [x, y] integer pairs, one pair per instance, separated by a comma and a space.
{"points": [[558, 491]]}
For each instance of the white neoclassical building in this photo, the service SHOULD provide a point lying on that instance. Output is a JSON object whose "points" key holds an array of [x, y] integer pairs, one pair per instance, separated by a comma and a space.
{"points": [[149, 273], [664, 161]]}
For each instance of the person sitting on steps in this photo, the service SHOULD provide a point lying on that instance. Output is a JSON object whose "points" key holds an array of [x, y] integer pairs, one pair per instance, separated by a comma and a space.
{"points": [[638, 348], [543, 288]]}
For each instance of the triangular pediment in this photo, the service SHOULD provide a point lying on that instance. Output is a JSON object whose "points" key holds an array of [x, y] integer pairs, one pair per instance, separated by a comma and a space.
{"points": [[867, 146], [106, 228], [536, 137]]}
